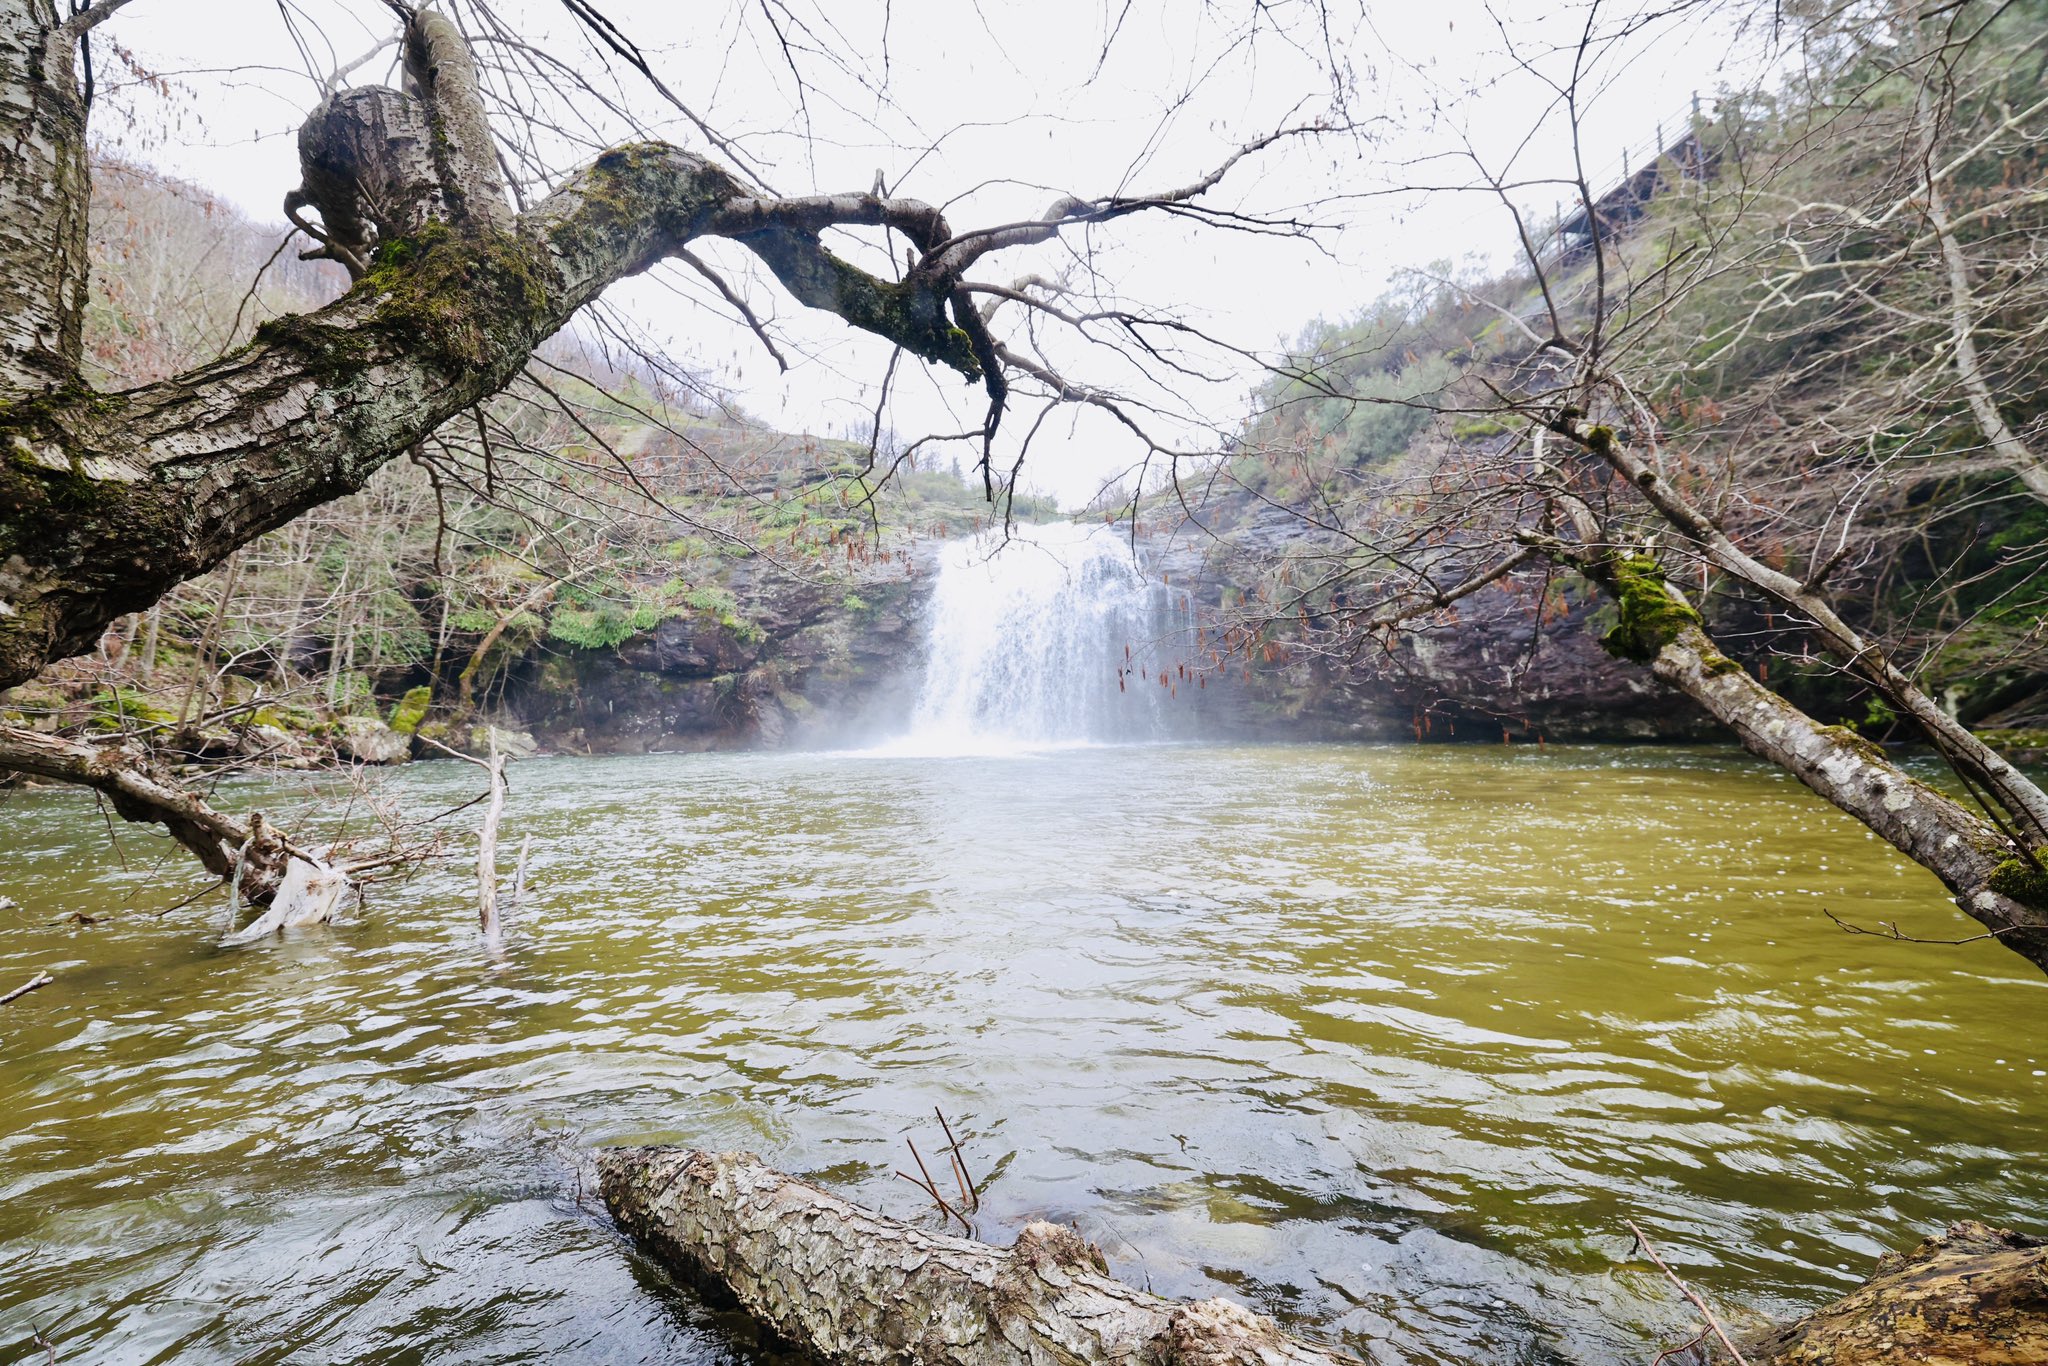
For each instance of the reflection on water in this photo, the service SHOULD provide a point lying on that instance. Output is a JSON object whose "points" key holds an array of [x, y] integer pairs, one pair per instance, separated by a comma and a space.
{"points": [[1388, 1042]]}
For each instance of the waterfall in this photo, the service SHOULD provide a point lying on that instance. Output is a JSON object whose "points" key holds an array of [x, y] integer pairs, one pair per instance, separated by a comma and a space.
{"points": [[1051, 639]]}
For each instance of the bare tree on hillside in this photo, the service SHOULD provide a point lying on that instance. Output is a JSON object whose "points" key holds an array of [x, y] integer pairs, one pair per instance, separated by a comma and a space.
{"points": [[1580, 442]]}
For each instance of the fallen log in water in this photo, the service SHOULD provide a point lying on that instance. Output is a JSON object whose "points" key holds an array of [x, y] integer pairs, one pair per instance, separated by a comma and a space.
{"points": [[1975, 1296], [854, 1288]]}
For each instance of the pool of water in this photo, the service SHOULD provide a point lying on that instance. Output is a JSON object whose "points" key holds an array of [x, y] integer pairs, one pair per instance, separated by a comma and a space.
{"points": [[1389, 1042]]}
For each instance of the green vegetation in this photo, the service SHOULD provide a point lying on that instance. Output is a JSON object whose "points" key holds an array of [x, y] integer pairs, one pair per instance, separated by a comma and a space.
{"points": [[2022, 882], [1787, 395], [411, 709]]}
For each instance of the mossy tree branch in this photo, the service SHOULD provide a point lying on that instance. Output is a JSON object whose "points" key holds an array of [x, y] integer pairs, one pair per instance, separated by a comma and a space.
{"points": [[1862, 656], [109, 500]]}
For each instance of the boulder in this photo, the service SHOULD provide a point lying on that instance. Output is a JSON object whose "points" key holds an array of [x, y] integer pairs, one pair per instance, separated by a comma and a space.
{"points": [[368, 740], [411, 709], [511, 744]]}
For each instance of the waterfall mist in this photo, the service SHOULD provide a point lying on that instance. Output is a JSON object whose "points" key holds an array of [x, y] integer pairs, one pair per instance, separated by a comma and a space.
{"points": [[1053, 638]]}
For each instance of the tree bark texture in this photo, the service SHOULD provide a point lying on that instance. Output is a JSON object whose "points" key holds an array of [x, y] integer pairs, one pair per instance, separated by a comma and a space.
{"points": [[2020, 795], [853, 1288], [1975, 1296], [140, 790], [487, 851], [43, 196]]}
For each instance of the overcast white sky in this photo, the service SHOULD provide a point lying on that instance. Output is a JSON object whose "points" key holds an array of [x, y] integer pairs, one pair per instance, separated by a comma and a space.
{"points": [[991, 110]]}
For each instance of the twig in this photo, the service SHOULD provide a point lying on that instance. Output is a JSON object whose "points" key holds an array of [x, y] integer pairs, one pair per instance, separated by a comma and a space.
{"points": [[931, 1187], [928, 1191], [1660, 1358], [732, 297], [1643, 1241], [969, 1195], [519, 877], [181, 905], [456, 754], [41, 979], [233, 912], [1891, 930]]}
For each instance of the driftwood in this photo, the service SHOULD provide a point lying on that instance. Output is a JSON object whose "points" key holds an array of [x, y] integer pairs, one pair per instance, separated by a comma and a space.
{"points": [[310, 894], [1975, 1296], [853, 1288], [487, 917], [487, 852], [35, 983]]}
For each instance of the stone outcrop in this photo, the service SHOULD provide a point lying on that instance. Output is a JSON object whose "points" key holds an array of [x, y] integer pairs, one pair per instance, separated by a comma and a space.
{"points": [[796, 663], [1499, 668], [367, 740], [792, 663]]}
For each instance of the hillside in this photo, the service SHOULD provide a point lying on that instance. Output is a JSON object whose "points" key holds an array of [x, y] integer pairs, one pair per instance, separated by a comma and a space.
{"points": [[1788, 321]]}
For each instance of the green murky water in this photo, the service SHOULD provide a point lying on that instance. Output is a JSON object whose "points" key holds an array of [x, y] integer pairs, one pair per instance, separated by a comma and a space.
{"points": [[1387, 1041]]}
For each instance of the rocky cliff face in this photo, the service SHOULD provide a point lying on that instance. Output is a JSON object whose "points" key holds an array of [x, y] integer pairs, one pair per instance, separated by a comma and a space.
{"points": [[793, 663], [1501, 670], [1496, 675], [799, 664]]}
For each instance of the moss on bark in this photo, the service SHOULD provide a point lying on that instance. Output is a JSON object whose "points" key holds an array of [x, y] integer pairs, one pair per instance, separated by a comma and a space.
{"points": [[2021, 882], [1651, 614], [446, 291]]}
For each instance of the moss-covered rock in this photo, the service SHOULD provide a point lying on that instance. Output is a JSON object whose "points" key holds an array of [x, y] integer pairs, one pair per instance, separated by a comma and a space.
{"points": [[304, 720], [121, 709], [411, 709]]}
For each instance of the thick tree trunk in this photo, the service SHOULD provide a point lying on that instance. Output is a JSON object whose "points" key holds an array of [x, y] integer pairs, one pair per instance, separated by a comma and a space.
{"points": [[1974, 1296], [852, 1288], [43, 196], [109, 500]]}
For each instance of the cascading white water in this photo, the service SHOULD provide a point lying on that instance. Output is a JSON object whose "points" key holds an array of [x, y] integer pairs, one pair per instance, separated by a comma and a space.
{"points": [[1049, 639]]}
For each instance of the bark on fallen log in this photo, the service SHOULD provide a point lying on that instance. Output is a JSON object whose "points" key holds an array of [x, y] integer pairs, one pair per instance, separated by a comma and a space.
{"points": [[854, 1288], [1975, 1296]]}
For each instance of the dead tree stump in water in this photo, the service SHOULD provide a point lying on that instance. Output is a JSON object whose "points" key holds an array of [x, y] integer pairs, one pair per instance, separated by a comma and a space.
{"points": [[854, 1288]]}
